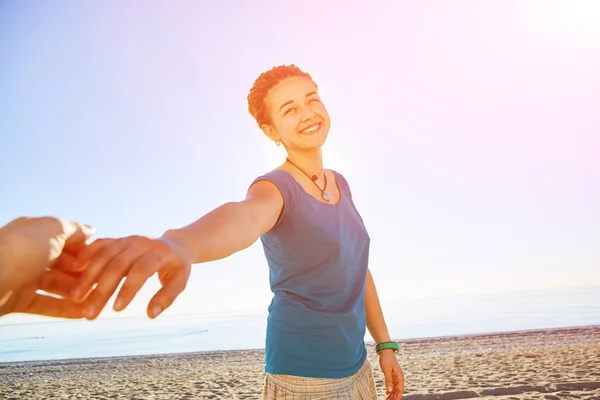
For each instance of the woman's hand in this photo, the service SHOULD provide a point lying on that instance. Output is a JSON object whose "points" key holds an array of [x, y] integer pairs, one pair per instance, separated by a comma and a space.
{"points": [[135, 258], [394, 376]]}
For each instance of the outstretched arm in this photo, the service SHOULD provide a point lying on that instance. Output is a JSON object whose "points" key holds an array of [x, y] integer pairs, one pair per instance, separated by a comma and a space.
{"points": [[220, 233], [231, 227]]}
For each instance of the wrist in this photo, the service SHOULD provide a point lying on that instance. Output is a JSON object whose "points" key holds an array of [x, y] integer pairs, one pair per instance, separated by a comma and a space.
{"points": [[175, 240], [388, 346]]}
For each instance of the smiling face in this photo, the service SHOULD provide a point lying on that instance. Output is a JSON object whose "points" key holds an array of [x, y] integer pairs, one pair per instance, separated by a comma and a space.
{"points": [[297, 116]]}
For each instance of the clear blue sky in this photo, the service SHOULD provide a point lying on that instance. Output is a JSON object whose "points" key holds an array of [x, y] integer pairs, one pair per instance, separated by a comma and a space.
{"points": [[469, 131]]}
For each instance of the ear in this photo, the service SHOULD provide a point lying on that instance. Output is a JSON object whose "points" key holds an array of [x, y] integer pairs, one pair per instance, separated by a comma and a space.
{"points": [[270, 132]]}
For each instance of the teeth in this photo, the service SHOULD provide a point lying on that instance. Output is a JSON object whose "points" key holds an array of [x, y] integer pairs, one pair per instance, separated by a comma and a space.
{"points": [[311, 129]]}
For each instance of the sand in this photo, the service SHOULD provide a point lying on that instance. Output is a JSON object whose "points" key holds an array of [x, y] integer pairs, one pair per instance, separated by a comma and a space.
{"points": [[542, 364]]}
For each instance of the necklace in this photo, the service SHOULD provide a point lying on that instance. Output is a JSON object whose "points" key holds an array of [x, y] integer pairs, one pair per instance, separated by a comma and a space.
{"points": [[313, 179]]}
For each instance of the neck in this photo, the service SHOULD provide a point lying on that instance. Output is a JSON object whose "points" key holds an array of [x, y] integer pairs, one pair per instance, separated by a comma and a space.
{"points": [[311, 161]]}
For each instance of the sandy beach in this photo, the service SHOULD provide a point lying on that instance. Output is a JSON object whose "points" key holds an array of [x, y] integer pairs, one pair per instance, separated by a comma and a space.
{"points": [[538, 364]]}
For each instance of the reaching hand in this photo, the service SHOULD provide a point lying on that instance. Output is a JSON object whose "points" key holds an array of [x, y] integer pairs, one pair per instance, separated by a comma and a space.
{"points": [[35, 254], [135, 258]]}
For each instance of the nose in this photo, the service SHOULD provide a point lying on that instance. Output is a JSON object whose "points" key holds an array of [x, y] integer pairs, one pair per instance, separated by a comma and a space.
{"points": [[308, 114]]}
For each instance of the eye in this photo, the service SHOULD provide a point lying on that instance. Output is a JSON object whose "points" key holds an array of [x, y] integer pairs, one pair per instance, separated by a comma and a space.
{"points": [[289, 110], [313, 101]]}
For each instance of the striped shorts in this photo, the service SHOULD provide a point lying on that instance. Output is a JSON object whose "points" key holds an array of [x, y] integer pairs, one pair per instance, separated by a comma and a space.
{"points": [[360, 386]]}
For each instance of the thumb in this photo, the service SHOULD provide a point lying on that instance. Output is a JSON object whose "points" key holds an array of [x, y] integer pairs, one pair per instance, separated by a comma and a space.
{"points": [[76, 235], [172, 287]]}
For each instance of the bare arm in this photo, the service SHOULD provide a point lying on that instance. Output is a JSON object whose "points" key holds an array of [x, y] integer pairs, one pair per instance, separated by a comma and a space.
{"points": [[231, 227], [220, 233], [375, 321], [394, 376]]}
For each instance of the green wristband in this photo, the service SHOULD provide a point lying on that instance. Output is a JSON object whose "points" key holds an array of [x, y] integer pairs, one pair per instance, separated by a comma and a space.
{"points": [[387, 345]]}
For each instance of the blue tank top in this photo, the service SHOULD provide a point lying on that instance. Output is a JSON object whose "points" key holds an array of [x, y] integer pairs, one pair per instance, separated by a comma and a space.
{"points": [[318, 258]]}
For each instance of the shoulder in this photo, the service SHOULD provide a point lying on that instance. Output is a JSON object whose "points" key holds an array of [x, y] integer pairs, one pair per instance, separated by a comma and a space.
{"points": [[271, 194], [265, 200], [273, 183], [339, 177], [276, 178]]}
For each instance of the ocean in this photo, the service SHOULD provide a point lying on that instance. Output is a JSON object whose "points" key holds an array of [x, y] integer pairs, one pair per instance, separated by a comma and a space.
{"points": [[415, 318]]}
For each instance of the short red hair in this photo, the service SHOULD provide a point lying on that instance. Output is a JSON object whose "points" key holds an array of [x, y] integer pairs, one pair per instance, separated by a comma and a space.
{"points": [[264, 83]]}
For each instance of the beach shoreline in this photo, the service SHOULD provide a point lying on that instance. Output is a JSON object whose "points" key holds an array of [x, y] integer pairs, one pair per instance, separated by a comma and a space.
{"points": [[542, 363]]}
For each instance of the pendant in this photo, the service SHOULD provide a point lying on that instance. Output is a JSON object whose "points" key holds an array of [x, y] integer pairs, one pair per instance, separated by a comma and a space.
{"points": [[326, 196]]}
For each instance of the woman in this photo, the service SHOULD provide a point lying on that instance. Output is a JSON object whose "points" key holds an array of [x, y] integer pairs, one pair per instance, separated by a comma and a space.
{"points": [[315, 243]]}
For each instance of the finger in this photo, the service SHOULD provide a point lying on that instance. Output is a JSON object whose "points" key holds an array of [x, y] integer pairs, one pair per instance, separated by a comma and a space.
{"points": [[398, 394], [144, 268], [75, 248], [167, 294], [87, 253], [395, 395], [389, 382], [398, 383], [77, 234], [51, 307], [134, 281], [57, 282], [391, 395], [70, 235], [92, 261], [65, 263], [111, 277], [78, 240]]}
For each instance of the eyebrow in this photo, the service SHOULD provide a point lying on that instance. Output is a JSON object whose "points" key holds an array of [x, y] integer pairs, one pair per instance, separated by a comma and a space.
{"points": [[291, 101]]}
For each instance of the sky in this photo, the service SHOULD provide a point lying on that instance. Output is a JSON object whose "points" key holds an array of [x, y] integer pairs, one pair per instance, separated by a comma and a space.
{"points": [[469, 131]]}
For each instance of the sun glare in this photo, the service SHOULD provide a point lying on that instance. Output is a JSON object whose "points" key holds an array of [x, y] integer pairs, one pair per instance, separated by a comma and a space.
{"points": [[575, 19]]}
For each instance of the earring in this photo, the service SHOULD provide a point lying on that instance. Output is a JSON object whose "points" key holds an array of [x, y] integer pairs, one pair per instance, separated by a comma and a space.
{"points": [[277, 142]]}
